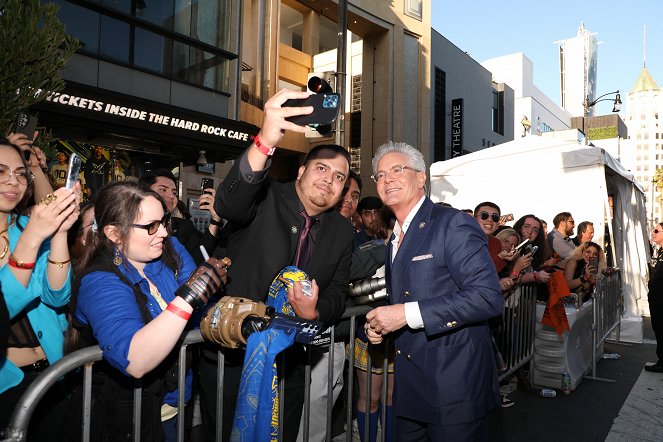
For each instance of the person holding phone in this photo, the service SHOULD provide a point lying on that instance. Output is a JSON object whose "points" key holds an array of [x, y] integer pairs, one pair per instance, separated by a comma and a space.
{"points": [[35, 277], [163, 182], [36, 160], [584, 267]]}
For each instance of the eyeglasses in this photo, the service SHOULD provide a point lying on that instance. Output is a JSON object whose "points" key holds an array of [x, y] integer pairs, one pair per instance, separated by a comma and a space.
{"points": [[485, 215], [154, 225], [570, 221], [22, 175], [394, 171], [529, 226]]}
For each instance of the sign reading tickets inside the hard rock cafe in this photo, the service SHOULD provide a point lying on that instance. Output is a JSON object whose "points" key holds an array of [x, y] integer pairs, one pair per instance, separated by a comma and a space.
{"points": [[126, 110]]}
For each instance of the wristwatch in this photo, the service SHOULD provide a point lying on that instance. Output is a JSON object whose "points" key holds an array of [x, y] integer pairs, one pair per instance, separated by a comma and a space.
{"points": [[582, 279]]}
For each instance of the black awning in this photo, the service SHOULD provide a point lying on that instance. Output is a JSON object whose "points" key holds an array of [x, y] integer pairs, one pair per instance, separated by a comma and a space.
{"points": [[98, 116]]}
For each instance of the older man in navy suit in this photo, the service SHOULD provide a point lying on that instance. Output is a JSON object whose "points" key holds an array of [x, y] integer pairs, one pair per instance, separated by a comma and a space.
{"points": [[443, 288]]}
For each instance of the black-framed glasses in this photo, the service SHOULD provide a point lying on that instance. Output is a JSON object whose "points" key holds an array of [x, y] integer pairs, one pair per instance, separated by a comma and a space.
{"points": [[154, 225], [485, 215], [394, 171], [22, 175]]}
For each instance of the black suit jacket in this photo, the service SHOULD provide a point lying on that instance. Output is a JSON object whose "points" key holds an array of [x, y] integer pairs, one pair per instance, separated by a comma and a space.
{"points": [[266, 223], [191, 238]]}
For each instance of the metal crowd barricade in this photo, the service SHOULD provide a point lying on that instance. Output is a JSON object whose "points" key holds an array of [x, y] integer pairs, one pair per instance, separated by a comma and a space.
{"points": [[606, 315], [85, 358], [515, 338]]}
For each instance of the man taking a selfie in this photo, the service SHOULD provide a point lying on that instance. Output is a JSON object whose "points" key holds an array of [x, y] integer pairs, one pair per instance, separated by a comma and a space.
{"points": [[276, 225]]}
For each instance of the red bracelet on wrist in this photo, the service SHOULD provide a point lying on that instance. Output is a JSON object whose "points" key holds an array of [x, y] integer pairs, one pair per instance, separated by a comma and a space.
{"points": [[178, 311], [18, 264], [269, 151], [534, 274]]}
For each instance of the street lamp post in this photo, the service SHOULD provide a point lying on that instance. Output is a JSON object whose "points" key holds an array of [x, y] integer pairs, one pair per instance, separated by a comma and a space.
{"points": [[526, 125], [617, 104], [653, 189]]}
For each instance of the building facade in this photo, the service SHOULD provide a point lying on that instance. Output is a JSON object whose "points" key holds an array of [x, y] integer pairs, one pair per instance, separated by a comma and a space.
{"points": [[643, 154], [162, 81], [577, 64], [469, 110], [534, 112]]}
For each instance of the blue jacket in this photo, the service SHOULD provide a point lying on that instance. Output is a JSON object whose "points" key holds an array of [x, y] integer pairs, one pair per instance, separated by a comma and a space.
{"points": [[44, 307], [108, 306], [445, 373]]}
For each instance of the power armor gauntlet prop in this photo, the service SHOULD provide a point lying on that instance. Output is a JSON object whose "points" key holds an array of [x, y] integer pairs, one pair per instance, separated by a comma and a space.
{"points": [[208, 278], [230, 322], [233, 319]]}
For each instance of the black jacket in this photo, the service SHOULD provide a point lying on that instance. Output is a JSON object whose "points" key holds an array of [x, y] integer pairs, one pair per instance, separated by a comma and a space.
{"points": [[266, 225]]}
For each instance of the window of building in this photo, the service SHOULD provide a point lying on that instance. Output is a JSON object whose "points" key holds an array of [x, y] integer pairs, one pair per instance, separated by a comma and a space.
{"points": [[440, 134], [179, 39], [498, 112], [645, 136], [114, 39]]}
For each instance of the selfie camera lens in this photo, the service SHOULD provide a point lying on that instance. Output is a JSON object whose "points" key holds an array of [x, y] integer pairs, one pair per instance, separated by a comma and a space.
{"points": [[318, 85]]}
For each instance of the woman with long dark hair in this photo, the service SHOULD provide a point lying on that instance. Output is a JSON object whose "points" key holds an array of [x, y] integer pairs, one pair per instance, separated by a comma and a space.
{"points": [[134, 298], [34, 274]]}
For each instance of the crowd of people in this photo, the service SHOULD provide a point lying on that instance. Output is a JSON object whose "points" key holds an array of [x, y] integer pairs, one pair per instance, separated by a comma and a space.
{"points": [[131, 278]]}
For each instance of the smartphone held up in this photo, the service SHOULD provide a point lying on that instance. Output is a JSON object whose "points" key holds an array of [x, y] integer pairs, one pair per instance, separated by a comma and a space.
{"points": [[325, 103], [26, 124], [73, 170]]}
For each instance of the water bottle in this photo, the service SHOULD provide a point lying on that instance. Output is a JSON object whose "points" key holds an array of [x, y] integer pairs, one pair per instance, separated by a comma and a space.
{"points": [[548, 392], [566, 383], [611, 356]]}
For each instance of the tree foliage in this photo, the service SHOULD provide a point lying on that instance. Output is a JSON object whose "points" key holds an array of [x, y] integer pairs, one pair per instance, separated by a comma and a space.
{"points": [[35, 48]]}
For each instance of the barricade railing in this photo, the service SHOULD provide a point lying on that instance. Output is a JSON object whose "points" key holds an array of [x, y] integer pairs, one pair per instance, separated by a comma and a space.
{"points": [[515, 337], [516, 341], [17, 430], [607, 310]]}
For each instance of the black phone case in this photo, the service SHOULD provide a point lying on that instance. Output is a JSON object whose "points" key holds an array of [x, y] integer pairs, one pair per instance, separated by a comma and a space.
{"points": [[26, 124], [206, 183], [325, 109]]}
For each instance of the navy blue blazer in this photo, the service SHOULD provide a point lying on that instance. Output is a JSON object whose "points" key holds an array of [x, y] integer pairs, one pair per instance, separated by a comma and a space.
{"points": [[445, 373]]}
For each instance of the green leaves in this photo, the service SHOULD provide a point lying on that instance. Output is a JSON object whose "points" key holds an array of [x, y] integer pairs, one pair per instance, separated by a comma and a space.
{"points": [[35, 48]]}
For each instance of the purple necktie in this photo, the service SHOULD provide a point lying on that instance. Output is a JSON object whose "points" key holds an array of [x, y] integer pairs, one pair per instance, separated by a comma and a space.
{"points": [[304, 244]]}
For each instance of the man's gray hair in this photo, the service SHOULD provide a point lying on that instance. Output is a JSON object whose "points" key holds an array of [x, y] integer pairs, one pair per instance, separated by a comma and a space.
{"points": [[414, 158]]}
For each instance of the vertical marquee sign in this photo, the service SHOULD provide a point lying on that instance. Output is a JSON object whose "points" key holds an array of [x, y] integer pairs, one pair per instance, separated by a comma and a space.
{"points": [[456, 127]]}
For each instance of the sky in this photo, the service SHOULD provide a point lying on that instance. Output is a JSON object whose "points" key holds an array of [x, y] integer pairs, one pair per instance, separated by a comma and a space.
{"points": [[487, 29]]}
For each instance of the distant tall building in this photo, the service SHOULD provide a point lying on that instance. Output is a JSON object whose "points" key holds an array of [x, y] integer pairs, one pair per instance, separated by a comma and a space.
{"points": [[577, 65], [645, 153]]}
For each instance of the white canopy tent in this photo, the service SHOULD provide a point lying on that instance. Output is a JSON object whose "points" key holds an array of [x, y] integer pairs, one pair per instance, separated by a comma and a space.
{"points": [[545, 176]]}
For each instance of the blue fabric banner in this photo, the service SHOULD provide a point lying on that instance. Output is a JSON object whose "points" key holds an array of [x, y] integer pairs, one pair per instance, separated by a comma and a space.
{"points": [[257, 412]]}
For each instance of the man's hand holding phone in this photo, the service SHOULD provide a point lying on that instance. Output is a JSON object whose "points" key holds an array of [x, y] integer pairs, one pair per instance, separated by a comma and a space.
{"points": [[274, 122]]}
